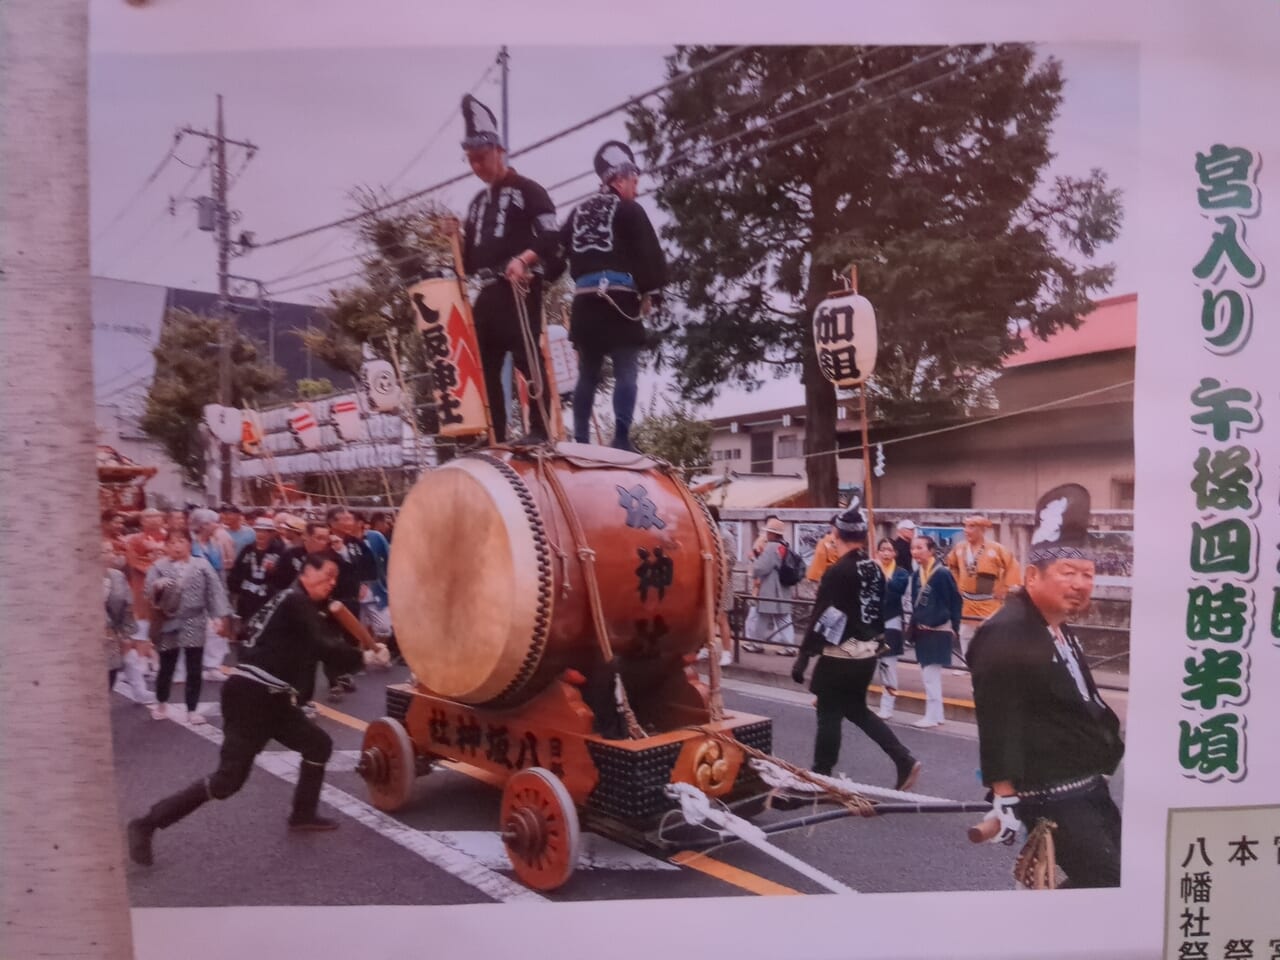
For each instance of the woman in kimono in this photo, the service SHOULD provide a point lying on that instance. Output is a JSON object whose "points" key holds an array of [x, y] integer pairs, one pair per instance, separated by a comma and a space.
{"points": [[896, 582], [770, 619], [187, 593], [935, 623]]}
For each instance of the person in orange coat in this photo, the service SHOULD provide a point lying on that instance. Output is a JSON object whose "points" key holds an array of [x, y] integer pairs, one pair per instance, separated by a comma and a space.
{"points": [[824, 555], [984, 571]]}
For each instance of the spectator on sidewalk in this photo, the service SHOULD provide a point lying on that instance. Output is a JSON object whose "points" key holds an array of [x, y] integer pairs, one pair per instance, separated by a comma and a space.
{"points": [[935, 619], [896, 582], [770, 619]]}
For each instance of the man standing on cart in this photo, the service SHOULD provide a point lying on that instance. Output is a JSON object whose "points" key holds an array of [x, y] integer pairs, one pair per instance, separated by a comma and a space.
{"points": [[509, 235]]}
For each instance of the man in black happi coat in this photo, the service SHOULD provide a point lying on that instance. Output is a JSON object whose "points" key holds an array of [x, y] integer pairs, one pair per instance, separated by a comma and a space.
{"points": [[509, 238], [618, 271], [1047, 740], [845, 635], [280, 646]]}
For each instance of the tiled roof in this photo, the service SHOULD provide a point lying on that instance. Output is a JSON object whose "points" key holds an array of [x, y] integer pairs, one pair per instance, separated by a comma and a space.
{"points": [[1113, 325]]}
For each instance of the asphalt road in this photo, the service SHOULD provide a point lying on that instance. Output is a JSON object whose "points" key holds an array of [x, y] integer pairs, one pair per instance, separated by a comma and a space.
{"points": [[443, 848]]}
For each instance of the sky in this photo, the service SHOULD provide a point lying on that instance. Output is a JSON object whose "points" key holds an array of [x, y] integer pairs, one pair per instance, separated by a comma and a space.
{"points": [[325, 121]]}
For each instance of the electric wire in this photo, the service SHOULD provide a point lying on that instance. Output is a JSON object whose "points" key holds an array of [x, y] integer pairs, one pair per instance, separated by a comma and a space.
{"points": [[538, 144]]}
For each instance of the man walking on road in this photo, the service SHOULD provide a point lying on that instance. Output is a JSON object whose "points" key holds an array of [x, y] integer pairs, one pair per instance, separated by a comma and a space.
{"points": [[846, 634]]}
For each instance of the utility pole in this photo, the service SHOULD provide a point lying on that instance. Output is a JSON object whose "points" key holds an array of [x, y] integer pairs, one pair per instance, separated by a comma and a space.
{"points": [[504, 60], [222, 239]]}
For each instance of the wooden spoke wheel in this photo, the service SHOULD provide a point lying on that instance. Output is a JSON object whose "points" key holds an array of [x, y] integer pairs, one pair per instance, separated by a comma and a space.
{"points": [[388, 764], [539, 828]]}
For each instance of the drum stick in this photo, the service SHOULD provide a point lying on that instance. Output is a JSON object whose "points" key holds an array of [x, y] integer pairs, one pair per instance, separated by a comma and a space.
{"points": [[984, 830], [346, 619]]}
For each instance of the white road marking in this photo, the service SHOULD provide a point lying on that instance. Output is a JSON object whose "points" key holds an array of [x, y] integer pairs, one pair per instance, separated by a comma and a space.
{"points": [[594, 851], [430, 847]]}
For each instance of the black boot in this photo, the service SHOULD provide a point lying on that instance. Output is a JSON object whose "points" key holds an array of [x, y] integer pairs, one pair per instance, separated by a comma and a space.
{"points": [[908, 772], [306, 797], [164, 814]]}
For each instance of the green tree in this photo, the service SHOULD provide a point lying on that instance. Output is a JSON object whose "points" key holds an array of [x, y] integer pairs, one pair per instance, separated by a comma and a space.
{"points": [[930, 180], [186, 380], [309, 388], [675, 436]]}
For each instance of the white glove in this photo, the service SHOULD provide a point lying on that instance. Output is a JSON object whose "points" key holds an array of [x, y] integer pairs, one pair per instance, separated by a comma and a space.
{"points": [[1004, 810], [379, 656]]}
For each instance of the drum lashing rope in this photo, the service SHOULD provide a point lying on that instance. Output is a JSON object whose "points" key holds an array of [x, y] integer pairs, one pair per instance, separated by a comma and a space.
{"points": [[587, 556], [537, 388], [715, 697]]}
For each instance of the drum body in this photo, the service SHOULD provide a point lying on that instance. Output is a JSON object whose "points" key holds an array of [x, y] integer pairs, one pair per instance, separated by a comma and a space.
{"points": [[488, 595]]}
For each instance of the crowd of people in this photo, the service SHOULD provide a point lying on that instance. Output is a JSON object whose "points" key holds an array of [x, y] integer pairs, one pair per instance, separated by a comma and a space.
{"points": [[181, 588]]}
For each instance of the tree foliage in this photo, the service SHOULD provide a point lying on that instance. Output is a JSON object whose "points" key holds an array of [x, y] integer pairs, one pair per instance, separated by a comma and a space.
{"points": [[675, 436], [186, 379], [925, 168]]}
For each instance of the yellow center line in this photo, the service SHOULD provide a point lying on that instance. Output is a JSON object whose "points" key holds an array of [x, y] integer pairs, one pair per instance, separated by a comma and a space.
{"points": [[735, 876], [694, 860]]}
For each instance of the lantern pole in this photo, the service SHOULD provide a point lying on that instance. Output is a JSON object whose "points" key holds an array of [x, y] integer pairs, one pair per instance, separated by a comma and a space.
{"points": [[872, 536]]}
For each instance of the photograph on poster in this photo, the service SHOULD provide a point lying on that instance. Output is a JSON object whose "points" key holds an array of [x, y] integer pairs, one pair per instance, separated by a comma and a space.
{"points": [[295, 372], [1066, 253]]}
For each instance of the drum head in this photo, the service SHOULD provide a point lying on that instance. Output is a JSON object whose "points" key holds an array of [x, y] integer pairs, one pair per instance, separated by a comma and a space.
{"points": [[470, 581]]}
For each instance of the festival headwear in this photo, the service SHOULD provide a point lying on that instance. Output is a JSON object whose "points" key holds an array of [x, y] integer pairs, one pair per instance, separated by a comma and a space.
{"points": [[290, 523], [907, 524], [265, 524], [774, 525], [853, 520], [977, 519], [615, 159], [482, 125], [1062, 525]]}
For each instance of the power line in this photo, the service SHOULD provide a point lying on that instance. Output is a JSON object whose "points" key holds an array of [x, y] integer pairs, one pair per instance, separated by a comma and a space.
{"points": [[713, 121], [1034, 408], [169, 155], [701, 172], [294, 271], [516, 153], [355, 273]]}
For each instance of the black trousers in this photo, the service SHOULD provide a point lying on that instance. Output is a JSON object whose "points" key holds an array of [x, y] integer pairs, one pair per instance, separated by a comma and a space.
{"points": [[252, 715], [194, 657], [1087, 840], [841, 688], [498, 333]]}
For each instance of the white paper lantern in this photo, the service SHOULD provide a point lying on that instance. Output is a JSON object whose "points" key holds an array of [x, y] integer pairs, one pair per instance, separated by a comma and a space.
{"points": [[844, 333]]}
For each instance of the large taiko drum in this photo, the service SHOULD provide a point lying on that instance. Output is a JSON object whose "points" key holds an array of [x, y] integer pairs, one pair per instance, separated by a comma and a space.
{"points": [[488, 595]]}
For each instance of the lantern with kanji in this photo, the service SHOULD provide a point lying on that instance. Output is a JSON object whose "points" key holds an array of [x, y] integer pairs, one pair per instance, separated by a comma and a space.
{"points": [[844, 333]]}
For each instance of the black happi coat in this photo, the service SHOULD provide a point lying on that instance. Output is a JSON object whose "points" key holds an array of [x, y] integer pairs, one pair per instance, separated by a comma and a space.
{"points": [[606, 232], [505, 219], [855, 586], [251, 580], [290, 634], [356, 565], [1034, 728], [288, 566]]}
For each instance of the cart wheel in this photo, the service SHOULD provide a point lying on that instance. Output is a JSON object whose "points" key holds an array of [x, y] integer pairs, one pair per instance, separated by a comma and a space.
{"points": [[539, 828], [387, 764]]}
